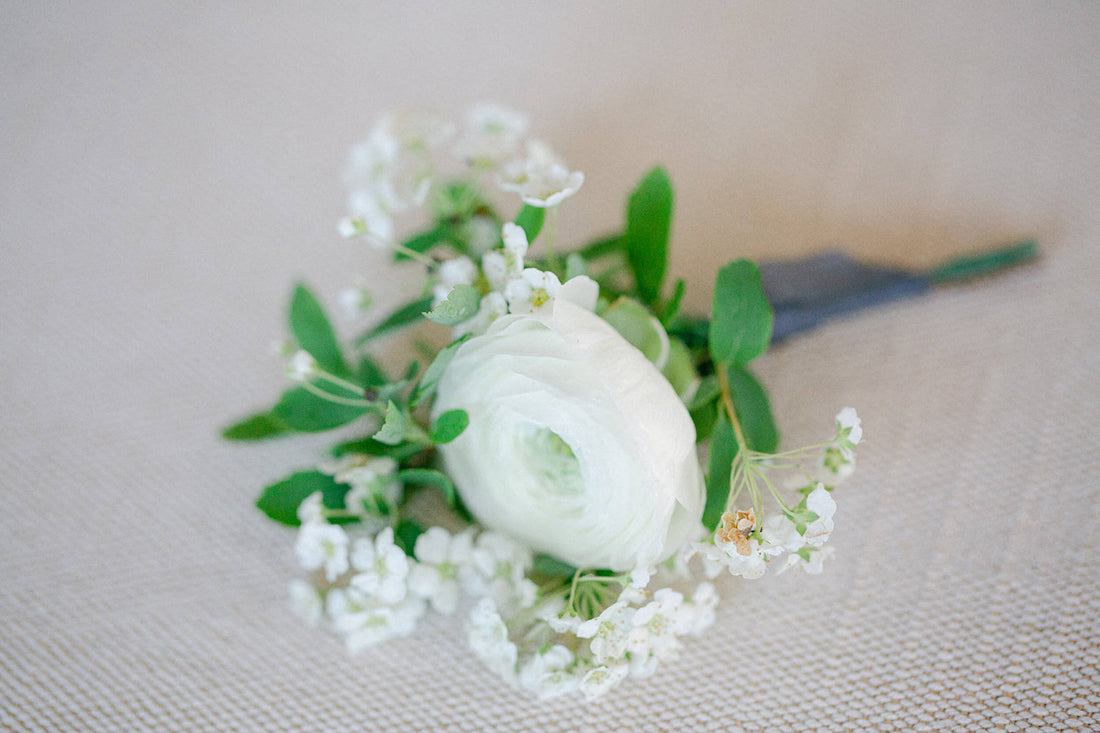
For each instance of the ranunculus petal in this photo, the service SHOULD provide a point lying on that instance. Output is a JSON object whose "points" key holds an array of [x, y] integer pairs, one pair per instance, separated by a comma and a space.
{"points": [[577, 446]]}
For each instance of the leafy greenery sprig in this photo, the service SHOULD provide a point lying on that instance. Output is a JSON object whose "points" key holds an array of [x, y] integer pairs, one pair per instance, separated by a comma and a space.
{"points": [[707, 360]]}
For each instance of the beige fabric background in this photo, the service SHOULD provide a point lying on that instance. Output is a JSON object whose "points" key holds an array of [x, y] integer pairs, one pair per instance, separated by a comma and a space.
{"points": [[168, 171]]}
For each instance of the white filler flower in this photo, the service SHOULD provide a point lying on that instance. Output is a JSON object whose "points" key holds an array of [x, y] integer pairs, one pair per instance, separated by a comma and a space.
{"points": [[577, 446]]}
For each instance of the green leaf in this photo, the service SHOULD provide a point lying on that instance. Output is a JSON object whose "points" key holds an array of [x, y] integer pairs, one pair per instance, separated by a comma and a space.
{"points": [[429, 477], [372, 447], [461, 304], [679, 369], [256, 427], [603, 247], [399, 427], [741, 319], [530, 219], [692, 330], [648, 222], [638, 326], [313, 331], [370, 373], [280, 501], [703, 407], [750, 401], [704, 419], [303, 411], [672, 306], [549, 565], [706, 393], [449, 426], [403, 316], [723, 449], [405, 535], [422, 242], [434, 372]]}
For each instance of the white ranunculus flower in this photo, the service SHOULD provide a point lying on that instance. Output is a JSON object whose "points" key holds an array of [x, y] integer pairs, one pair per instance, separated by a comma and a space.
{"points": [[577, 446]]}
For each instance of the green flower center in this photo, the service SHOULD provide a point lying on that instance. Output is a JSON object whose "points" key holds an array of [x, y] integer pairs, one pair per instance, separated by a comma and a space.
{"points": [[552, 462]]}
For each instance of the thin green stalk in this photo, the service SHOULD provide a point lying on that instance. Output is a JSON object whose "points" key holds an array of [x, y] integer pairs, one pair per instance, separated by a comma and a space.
{"points": [[333, 379], [762, 475], [350, 401], [727, 403]]}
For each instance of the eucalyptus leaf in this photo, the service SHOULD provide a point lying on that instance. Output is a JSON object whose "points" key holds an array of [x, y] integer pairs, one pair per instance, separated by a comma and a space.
{"points": [[706, 393], [256, 427], [449, 426], [461, 304], [754, 412], [648, 223], [280, 500], [314, 333], [723, 449], [741, 319], [704, 418]]}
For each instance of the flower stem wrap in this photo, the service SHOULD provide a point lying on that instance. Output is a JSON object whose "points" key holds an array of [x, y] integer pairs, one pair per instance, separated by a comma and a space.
{"points": [[576, 445]]}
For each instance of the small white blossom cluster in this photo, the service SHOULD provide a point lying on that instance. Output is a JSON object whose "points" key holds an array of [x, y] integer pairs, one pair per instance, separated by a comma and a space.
{"points": [[513, 288], [549, 651], [370, 589], [745, 550], [375, 490], [394, 170], [744, 546]]}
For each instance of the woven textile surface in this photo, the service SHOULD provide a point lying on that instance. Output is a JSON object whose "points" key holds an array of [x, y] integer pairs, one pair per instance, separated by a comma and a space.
{"points": [[169, 172]]}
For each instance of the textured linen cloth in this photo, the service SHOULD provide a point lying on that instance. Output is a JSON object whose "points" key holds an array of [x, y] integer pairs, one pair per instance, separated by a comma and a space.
{"points": [[170, 171]]}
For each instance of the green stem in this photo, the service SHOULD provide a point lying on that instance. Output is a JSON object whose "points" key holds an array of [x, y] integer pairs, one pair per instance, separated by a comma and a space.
{"points": [[412, 254], [805, 450], [333, 379], [361, 230], [736, 481], [351, 401], [572, 598], [771, 487], [727, 403]]}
